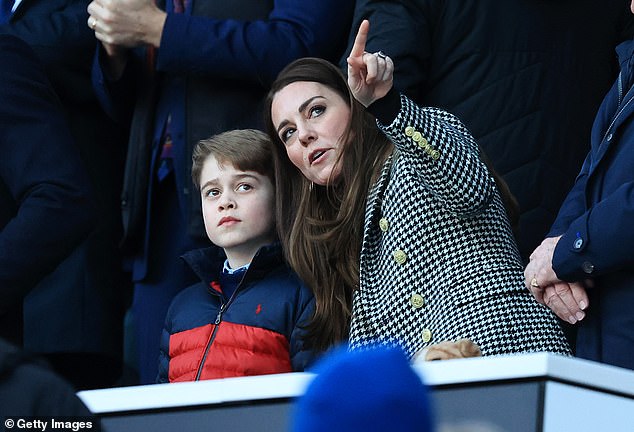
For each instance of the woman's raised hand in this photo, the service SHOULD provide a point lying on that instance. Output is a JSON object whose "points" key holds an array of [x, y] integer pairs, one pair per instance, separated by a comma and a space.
{"points": [[370, 76]]}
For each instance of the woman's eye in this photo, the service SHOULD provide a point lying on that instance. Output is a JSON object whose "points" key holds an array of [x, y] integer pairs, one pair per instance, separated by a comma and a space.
{"points": [[286, 134], [317, 110]]}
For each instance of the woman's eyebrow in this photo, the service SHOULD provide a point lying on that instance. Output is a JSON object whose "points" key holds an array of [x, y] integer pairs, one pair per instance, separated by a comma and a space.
{"points": [[301, 108]]}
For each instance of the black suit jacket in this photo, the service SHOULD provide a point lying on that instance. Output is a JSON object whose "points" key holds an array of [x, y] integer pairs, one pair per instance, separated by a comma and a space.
{"points": [[88, 286], [45, 209], [57, 31]]}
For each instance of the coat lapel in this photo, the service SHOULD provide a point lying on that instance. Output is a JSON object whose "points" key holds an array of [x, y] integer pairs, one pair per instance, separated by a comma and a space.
{"points": [[625, 107], [375, 200]]}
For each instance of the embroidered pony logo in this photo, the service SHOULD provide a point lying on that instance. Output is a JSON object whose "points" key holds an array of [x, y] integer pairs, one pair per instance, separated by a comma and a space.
{"points": [[258, 309], [215, 286]]}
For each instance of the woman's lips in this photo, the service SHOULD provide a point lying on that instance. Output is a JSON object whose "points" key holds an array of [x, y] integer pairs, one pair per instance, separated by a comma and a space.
{"points": [[316, 155]]}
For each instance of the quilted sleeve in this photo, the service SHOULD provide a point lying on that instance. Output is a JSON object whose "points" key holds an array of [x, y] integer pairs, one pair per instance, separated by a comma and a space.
{"points": [[302, 358], [164, 356]]}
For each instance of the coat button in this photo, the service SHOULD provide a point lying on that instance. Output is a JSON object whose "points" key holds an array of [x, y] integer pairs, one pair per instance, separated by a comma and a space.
{"points": [[578, 243], [609, 137], [417, 137], [435, 155], [384, 224], [423, 143], [587, 267], [417, 301], [409, 131], [400, 257], [426, 335]]}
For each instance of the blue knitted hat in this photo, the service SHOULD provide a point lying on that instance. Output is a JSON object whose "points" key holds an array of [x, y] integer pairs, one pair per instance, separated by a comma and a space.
{"points": [[368, 390]]}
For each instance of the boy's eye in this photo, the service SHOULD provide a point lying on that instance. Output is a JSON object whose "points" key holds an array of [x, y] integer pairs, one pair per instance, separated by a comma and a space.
{"points": [[244, 187], [211, 193]]}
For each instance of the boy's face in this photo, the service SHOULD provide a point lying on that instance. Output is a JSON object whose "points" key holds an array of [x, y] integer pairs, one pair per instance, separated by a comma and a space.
{"points": [[238, 209]]}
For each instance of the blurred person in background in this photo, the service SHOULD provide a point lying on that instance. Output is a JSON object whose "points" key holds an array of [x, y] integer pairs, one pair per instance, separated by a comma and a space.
{"points": [[84, 343], [46, 206]]}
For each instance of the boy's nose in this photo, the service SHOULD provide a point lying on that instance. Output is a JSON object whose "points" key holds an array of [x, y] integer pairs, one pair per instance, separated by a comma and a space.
{"points": [[227, 202]]}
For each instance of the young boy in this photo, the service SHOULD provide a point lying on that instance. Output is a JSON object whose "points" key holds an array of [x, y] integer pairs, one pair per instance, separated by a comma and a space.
{"points": [[246, 315]]}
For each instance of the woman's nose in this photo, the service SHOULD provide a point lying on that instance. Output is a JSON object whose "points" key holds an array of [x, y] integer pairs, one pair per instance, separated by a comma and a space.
{"points": [[307, 135]]}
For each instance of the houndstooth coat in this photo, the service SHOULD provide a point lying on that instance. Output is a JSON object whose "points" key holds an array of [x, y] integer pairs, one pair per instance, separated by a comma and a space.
{"points": [[438, 259]]}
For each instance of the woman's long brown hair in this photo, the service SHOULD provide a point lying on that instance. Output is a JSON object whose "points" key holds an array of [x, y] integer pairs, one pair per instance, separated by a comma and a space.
{"points": [[321, 227]]}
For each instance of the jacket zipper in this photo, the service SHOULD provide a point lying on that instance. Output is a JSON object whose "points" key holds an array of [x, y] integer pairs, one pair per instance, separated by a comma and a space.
{"points": [[223, 308], [620, 110]]}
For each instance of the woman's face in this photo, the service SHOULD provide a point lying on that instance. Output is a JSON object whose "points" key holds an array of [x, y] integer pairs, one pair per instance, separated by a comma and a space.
{"points": [[310, 119]]}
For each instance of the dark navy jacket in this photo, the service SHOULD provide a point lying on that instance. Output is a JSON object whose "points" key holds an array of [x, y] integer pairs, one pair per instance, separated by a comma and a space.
{"points": [[88, 284], [259, 330], [597, 224], [45, 200]]}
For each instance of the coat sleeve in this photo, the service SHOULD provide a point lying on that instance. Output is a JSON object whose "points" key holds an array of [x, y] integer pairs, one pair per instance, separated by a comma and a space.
{"points": [[441, 151], [44, 187], [599, 241], [573, 206], [255, 50]]}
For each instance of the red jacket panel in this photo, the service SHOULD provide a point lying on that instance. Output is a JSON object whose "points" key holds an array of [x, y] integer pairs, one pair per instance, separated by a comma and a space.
{"points": [[259, 351]]}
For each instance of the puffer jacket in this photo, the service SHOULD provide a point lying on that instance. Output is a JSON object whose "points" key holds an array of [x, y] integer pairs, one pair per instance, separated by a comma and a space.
{"points": [[258, 330]]}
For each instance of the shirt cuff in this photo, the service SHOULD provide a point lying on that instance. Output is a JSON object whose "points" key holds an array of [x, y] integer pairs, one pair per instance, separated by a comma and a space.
{"points": [[387, 108]]}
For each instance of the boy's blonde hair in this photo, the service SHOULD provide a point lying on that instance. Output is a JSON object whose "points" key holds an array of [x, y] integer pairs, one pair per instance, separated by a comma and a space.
{"points": [[245, 149]]}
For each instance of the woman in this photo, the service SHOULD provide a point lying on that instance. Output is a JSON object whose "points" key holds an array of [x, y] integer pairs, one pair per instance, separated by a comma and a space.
{"points": [[435, 259]]}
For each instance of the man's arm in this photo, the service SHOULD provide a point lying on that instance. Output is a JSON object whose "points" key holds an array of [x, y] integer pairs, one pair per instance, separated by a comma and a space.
{"points": [[228, 48], [41, 176]]}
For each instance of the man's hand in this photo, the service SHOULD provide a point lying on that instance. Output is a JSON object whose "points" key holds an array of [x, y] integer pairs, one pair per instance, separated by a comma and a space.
{"points": [[126, 23], [567, 300], [539, 272]]}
